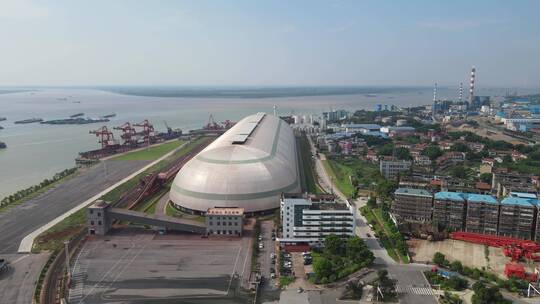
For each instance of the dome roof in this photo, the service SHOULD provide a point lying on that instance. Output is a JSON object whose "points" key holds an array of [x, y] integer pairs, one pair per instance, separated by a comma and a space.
{"points": [[249, 166]]}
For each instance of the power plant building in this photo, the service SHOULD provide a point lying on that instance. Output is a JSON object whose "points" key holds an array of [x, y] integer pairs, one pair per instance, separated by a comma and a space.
{"points": [[248, 167]]}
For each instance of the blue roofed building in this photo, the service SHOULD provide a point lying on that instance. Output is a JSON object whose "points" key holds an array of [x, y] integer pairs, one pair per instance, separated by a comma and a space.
{"points": [[482, 214], [449, 210], [412, 205], [517, 216]]}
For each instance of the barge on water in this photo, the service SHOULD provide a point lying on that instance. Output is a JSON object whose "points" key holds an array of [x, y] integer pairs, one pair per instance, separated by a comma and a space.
{"points": [[30, 120], [77, 115], [2, 118], [3, 145], [73, 121], [109, 115]]}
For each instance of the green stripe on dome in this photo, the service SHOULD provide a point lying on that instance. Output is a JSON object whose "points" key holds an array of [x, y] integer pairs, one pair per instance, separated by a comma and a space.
{"points": [[235, 197], [247, 161]]}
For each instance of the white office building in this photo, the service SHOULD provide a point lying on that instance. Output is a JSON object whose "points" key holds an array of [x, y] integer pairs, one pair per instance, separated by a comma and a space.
{"points": [[308, 220]]}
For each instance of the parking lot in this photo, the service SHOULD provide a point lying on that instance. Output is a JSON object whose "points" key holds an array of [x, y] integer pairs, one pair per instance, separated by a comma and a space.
{"points": [[130, 267]]}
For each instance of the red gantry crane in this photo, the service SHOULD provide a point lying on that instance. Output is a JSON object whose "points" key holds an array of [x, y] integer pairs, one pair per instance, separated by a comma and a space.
{"points": [[128, 134], [148, 131], [106, 137]]}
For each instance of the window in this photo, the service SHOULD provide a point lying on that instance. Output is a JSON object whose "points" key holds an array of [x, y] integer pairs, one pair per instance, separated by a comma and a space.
{"points": [[99, 223], [99, 214], [91, 211], [92, 223]]}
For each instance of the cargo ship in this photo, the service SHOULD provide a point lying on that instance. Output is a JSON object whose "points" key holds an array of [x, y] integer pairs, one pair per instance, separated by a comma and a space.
{"points": [[77, 115], [3, 145], [73, 121], [109, 115], [27, 121]]}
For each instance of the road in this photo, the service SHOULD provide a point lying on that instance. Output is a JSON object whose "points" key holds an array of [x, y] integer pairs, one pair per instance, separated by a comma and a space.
{"points": [[18, 282], [411, 283], [268, 290]]}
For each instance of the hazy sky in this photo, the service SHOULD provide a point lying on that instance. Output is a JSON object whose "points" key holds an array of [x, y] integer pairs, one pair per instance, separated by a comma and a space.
{"points": [[268, 42]]}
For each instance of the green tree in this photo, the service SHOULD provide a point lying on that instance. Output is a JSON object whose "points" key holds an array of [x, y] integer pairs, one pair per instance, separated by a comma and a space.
{"points": [[386, 150], [432, 151], [486, 177], [333, 245], [322, 267], [456, 266], [460, 147], [403, 153], [487, 295], [439, 259], [372, 202]]}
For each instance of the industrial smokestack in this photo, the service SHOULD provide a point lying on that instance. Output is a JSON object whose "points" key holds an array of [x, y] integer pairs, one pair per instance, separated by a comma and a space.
{"points": [[471, 89]]}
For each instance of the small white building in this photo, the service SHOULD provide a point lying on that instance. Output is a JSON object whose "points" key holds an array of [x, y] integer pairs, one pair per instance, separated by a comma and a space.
{"points": [[306, 220], [225, 220]]}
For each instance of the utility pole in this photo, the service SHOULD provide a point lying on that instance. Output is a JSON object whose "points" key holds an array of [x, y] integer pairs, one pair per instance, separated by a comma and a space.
{"points": [[66, 247]]}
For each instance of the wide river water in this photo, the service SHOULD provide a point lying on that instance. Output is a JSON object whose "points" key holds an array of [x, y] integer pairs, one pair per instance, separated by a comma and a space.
{"points": [[36, 151]]}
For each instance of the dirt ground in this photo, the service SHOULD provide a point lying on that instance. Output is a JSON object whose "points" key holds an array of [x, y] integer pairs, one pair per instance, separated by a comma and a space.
{"points": [[472, 255]]}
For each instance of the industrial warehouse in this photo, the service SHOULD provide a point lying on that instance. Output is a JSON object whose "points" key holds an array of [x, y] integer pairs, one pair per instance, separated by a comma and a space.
{"points": [[248, 167]]}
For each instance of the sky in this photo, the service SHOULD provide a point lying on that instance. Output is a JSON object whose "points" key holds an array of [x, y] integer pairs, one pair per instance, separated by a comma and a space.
{"points": [[269, 43]]}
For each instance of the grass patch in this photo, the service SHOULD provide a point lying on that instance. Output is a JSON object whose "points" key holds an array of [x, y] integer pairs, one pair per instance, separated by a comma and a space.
{"points": [[285, 280], [151, 152], [341, 176], [381, 233], [172, 211], [53, 239]]}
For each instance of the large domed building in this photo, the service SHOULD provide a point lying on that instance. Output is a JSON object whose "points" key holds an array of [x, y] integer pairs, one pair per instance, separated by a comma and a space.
{"points": [[249, 166]]}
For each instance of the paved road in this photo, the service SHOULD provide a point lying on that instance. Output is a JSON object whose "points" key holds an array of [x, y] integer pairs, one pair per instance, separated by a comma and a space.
{"points": [[18, 282], [19, 221], [406, 275], [162, 204]]}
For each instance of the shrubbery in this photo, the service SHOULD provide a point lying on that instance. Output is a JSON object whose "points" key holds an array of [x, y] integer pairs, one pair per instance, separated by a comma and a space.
{"points": [[340, 258]]}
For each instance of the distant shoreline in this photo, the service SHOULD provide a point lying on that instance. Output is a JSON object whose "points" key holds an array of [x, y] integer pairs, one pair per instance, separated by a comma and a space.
{"points": [[256, 93]]}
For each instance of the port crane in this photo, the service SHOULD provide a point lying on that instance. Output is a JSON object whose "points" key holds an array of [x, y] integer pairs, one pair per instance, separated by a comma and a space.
{"points": [[128, 134], [106, 137], [212, 124], [148, 130]]}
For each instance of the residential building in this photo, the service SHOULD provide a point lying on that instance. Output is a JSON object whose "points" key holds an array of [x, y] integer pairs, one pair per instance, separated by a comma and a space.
{"points": [[412, 205], [225, 221], [391, 167], [482, 214], [308, 220], [449, 209], [517, 216], [422, 160], [505, 182]]}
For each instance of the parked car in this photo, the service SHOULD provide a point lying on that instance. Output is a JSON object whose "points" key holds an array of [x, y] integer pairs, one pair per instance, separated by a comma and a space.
{"points": [[368, 235]]}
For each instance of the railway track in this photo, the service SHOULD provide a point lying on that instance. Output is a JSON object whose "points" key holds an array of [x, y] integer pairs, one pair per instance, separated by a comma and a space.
{"points": [[152, 183]]}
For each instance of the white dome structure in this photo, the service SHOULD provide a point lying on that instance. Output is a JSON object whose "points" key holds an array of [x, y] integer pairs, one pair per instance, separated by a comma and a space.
{"points": [[249, 166]]}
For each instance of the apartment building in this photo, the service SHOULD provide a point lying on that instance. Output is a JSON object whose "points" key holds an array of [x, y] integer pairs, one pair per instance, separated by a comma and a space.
{"points": [[482, 214], [391, 167], [517, 216], [449, 209], [414, 205]]}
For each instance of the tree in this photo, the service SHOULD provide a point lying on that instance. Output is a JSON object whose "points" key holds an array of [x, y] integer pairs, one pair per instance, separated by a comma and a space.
{"points": [[333, 244], [487, 295], [460, 172], [403, 153], [486, 177], [439, 259], [372, 202], [433, 152], [386, 187], [322, 267], [456, 266], [386, 150], [460, 147], [358, 252]]}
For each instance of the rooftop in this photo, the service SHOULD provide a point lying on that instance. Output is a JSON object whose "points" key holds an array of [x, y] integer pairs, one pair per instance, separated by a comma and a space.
{"points": [[518, 201], [412, 191], [363, 126], [328, 206], [450, 196], [481, 198]]}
